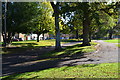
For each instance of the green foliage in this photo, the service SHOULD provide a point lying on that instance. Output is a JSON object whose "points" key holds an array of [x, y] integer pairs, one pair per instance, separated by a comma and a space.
{"points": [[43, 22], [29, 17], [18, 14], [102, 16]]}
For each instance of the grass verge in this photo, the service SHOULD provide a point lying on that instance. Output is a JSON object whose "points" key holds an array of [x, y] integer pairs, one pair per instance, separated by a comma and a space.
{"points": [[104, 70], [113, 41], [118, 45]]}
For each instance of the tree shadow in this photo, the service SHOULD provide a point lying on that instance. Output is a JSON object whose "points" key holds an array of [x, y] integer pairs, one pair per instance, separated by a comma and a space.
{"points": [[68, 51], [19, 47], [45, 65], [64, 40], [81, 66], [27, 44], [15, 48], [31, 60]]}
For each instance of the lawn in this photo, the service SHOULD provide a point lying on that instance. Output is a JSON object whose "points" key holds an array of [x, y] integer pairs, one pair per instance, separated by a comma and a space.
{"points": [[118, 45], [69, 51], [72, 51], [113, 41], [104, 70], [40, 43], [81, 71], [32, 44]]}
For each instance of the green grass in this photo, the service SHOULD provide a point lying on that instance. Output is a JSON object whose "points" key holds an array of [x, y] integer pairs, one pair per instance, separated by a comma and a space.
{"points": [[20, 46], [68, 51], [113, 41], [104, 70], [33, 43], [1, 43], [40, 43], [72, 51], [118, 45]]}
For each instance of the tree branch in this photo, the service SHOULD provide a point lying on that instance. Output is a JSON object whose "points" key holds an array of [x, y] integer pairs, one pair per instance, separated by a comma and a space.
{"points": [[107, 9], [53, 5]]}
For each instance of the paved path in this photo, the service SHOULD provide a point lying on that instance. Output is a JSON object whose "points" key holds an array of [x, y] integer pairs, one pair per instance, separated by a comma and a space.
{"points": [[106, 53], [29, 60]]}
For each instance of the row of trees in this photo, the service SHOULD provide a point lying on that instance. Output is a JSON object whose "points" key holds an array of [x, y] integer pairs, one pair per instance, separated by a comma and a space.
{"points": [[28, 17], [91, 20]]}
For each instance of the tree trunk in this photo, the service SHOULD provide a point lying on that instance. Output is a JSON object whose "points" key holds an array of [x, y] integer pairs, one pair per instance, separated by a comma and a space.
{"points": [[77, 34], [85, 34], [86, 26], [57, 30], [43, 38], [18, 35], [9, 40], [4, 39], [90, 35], [110, 34], [38, 37], [5, 36]]}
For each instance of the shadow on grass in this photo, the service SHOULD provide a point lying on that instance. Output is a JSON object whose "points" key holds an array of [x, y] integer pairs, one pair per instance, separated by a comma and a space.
{"points": [[70, 51], [20, 47], [66, 68], [74, 40], [27, 44], [30, 61], [81, 66]]}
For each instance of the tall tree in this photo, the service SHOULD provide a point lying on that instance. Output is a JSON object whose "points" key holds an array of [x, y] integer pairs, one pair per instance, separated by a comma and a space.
{"points": [[18, 14], [44, 21], [57, 29]]}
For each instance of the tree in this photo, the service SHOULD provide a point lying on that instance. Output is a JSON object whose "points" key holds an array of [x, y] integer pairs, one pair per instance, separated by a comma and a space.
{"points": [[76, 23], [90, 11], [82, 9], [44, 20], [57, 29], [105, 20], [18, 14]]}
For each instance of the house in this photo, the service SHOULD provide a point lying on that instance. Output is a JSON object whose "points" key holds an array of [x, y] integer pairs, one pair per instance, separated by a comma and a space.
{"points": [[30, 36], [19, 35], [34, 37]]}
